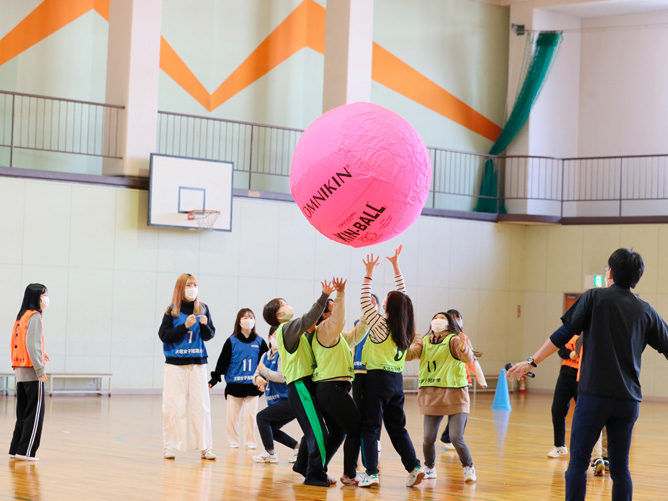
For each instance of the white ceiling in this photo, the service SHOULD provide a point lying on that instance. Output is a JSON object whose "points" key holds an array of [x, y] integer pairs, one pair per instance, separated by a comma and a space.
{"points": [[603, 8]]}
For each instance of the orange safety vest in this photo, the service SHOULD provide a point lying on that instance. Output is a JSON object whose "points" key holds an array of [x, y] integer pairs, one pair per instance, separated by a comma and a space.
{"points": [[20, 357], [569, 361]]}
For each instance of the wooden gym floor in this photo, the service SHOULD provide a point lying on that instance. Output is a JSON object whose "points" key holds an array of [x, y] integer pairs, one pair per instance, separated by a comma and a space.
{"points": [[99, 448]]}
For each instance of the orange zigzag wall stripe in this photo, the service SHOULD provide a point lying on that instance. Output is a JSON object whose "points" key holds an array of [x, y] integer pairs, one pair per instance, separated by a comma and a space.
{"points": [[304, 27], [47, 18], [392, 72]]}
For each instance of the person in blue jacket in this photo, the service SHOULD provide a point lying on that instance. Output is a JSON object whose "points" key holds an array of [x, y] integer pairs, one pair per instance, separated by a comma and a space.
{"points": [[237, 362], [186, 407]]}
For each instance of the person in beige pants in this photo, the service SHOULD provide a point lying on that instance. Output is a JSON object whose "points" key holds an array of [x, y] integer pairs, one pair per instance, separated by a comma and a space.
{"points": [[238, 361]]}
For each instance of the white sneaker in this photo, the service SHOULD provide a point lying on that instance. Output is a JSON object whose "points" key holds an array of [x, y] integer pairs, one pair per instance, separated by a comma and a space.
{"points": [[208, 454], [557, 452], [368, 480], [599, 467], [265, 457], [168, 454], [26, 458], [331, 480], [415, 477], [234, 445], [295, 454], [469, 474], [449, 446], [251, 446], [346, 480], [429, 473]]}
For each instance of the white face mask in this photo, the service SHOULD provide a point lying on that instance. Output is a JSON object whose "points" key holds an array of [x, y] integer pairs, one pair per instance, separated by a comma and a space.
{"points": [[247, 323], [45, 302], [460, 322], [285, 313], [439, 324], [191, 293]]}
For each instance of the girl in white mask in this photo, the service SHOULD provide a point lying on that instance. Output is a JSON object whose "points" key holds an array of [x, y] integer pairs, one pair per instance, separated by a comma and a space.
{"points": [[186, 325], [29, 361], [238, 361], [443, 390], [294, 348], [470, 368]]}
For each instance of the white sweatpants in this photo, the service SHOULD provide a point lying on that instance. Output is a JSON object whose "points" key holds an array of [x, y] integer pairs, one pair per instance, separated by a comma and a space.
{"points": [[186, 408], [234, 409]]}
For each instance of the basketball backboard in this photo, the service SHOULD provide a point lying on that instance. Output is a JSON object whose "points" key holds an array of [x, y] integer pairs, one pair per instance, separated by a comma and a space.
{"points": [[179, 185]]}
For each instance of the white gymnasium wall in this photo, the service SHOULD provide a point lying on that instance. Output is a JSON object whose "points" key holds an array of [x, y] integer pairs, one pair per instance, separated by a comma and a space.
{"points": [[110, 277], [558, 258], [622, 85]]}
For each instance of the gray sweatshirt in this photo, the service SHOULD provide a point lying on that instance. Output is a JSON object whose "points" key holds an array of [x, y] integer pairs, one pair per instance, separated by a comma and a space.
{"points": [[34, 347], [293, 330]]}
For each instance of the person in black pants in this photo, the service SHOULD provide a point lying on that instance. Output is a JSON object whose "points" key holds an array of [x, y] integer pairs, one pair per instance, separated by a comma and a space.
{"points": [[269, 378], [616, 327], [294, 348], [384, 355], [28, 360], [565, 390], [333, 381]]}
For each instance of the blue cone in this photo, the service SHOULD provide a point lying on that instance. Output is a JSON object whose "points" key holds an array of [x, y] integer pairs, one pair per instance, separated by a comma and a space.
{"points": [[501, 397]]}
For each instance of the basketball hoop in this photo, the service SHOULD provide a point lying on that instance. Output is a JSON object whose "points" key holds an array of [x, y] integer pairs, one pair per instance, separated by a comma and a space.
{"points": [[205, 219]]}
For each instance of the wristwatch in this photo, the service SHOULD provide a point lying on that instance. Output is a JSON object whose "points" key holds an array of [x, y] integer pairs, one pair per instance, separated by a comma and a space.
{"points": [[530, 360]]}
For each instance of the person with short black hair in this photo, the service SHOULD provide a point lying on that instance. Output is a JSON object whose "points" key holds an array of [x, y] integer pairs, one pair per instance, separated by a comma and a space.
{"points": [[616, 327], [28, 360]]}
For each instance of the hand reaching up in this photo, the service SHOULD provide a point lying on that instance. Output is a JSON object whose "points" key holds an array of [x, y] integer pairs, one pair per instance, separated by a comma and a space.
{"points": [[339, 284], [327, 287], [370, 263]]}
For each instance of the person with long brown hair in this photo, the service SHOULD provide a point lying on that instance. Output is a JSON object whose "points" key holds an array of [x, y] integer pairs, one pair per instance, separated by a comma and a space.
{"points": [[384, 355], [238, 361], [186, 407]]}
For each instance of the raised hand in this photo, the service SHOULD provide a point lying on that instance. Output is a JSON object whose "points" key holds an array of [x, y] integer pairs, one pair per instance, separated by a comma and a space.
{"points": [[395, 259], [370, 263], [327, 287], [339, 284]]}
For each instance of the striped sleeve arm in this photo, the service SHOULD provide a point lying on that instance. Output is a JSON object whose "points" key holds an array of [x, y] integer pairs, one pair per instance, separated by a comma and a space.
{"points": [[399, 283], [376, 323]]}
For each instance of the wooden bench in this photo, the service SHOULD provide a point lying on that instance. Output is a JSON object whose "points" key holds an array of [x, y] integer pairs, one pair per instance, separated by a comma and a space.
{"points": [[98, 378], [475, 387]]}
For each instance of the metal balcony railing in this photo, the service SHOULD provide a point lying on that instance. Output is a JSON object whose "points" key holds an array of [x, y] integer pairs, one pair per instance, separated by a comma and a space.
{"points": [[261, 154], [42, 123]]}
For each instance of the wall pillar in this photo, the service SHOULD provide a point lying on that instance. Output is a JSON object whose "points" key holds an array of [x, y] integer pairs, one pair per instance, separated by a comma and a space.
{"points": [[348, 47], [133, 70]]}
